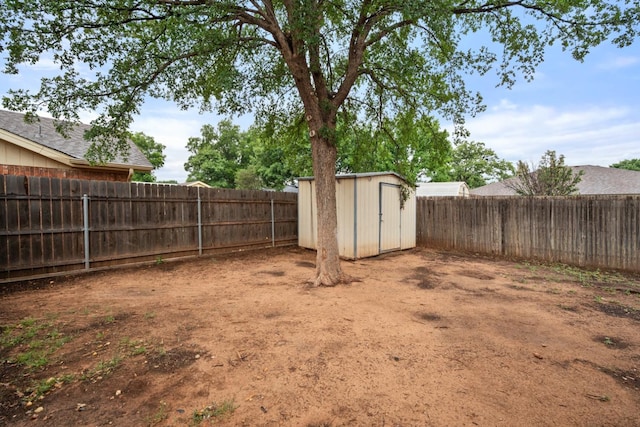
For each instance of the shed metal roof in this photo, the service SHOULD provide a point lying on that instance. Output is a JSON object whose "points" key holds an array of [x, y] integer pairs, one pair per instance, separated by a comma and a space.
{"points": [[357, 175]]}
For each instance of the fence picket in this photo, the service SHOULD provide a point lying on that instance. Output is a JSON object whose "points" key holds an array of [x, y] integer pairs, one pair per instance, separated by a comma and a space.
{"points": [[592, 231], [41, 223]]}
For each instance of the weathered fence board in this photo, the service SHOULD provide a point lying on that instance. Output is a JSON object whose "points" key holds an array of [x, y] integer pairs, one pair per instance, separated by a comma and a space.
{"points": [[42, 223], [593, 231]]}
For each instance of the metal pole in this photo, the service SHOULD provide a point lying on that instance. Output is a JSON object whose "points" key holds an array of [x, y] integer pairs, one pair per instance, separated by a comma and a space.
{"points": [[273, 226], [85, 214], [199, 224]]}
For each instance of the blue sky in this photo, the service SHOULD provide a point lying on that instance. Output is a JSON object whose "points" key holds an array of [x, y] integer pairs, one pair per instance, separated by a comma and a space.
{"points": [[589, 111]]}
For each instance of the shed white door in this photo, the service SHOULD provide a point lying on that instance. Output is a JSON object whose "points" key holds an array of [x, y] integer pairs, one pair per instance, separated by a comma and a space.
{"points": [[390, 224]]}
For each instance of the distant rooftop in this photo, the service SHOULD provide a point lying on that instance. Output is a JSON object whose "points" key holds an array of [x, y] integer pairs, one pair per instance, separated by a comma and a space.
{"points": [[596, 180]]}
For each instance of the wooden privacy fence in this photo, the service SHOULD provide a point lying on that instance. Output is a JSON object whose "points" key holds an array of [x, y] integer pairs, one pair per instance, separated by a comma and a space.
{"points": [[51, 225], [590, 231]]}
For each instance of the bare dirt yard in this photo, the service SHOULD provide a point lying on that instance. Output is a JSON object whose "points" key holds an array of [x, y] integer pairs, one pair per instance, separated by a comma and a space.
{"points": [[422, 338]]}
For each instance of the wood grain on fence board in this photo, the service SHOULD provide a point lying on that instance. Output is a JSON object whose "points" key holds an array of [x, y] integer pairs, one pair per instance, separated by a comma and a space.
{"points": [[41, 223], [593, 231]]}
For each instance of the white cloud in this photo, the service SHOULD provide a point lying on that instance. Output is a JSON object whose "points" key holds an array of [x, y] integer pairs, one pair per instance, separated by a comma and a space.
{"points": [[45, 64], [585, 135], [172, 129], [619, 62]]}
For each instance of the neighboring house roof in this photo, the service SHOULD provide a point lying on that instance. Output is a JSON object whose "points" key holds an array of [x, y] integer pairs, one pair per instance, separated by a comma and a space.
{"points": [[42, 137], [196, 184], [596, 180], [440, 189]]}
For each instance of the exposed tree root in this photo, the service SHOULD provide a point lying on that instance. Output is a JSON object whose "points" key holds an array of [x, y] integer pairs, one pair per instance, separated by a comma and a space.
{"points": [[326, 280]]}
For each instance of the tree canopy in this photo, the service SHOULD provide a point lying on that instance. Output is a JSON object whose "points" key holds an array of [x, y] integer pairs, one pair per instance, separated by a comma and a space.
{"points": [[630, 164], [551, 177], [475, 164], [314, 59], [153, 151], [218, 154]]}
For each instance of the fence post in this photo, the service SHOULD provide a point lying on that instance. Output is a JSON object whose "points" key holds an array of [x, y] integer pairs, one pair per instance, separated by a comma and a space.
{"points": [[273, 226], [199, 223], [85, 215]]}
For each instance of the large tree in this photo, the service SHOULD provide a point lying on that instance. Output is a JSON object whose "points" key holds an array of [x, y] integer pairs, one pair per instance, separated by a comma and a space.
{"points": [[218, 154], [309, 58], [476, 164]]}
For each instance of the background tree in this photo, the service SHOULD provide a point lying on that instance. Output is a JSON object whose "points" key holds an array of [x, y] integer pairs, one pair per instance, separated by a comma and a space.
{"points": [[248, 179], [309, 58], [475, 164], [630, 164], [280, 153], [152, 150], [408, 144], [550, 178], [217, 155]]}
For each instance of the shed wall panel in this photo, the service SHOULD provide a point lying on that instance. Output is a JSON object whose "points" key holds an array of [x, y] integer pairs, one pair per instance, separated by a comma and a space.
{"points": [[346, 222], [409, 223], [358, 210], [307, 209]]}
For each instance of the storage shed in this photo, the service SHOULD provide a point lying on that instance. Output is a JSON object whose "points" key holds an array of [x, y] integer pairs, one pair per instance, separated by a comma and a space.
{"points": [[373, 215]]}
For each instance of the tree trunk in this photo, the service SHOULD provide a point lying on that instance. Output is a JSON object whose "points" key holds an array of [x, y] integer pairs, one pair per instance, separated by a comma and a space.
{"points": [[321, 118], [328, 270]]}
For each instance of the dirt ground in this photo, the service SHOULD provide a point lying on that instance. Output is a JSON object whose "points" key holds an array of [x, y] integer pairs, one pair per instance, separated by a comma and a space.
{"points": [[423, 338]]}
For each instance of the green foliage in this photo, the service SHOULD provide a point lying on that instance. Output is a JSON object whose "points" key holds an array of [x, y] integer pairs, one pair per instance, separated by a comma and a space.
{"points": [[630, 164], [248, 179], [371, 59], [550, 178], [475, 164], [408, 144], [152, 150], [252, 159], [283, 149], [217, 155]]}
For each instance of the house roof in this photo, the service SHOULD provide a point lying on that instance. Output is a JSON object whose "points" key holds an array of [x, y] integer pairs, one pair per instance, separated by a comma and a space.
{"points": [[196, 184], [430, 189], [596, 180], [43, 134]]}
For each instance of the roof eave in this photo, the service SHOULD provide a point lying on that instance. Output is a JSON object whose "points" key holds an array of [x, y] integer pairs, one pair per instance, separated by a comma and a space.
{"points": [[109, 166], [66, 159]]}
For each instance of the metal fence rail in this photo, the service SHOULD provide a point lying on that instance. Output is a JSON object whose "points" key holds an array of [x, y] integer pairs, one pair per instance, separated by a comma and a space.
{"points": [[50, 225], [590, 231]]}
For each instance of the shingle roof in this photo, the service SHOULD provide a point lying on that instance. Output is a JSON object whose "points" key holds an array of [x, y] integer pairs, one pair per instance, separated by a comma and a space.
{"points": [[596, 180], [44, 133]]}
